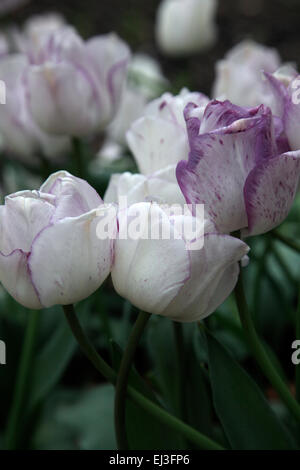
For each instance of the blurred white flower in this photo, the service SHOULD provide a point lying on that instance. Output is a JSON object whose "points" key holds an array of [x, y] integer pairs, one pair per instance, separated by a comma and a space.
{"points": [[145, 81], [20, 133], [239, 76], [75, 86], [32, 37], [185, 27]]}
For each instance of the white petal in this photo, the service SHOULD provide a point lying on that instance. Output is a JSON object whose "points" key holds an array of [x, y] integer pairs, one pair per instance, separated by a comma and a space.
{"points": [[68, 261]]}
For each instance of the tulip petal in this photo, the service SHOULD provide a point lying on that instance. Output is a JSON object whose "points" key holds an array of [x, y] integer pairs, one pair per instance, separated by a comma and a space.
{"points": [[161, 187], [270, 190], [148, 272], [16, 278], [24, 215], [219, 164], [68, 261], [62, 99], [74, 195], [214, 273], [156, 143]]}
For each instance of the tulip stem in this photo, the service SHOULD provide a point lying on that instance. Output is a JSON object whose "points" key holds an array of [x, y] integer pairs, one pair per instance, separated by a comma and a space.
{"points": [[260, 353], [287, 241], [15, 415], [122, 379], [199, 439], [298, 338]]}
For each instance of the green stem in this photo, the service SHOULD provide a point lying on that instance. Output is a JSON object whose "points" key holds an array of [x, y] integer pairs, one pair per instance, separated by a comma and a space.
{"points": [[162, 415], [260, 353], [287, 241], [14, 419], [180, 350], [122, 379], [298, 338]]}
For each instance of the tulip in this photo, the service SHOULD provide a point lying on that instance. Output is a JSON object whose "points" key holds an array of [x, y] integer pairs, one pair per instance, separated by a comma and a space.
{"points": [[159, 138], [285, 87], [239, 76], [185, 27], [145, 80], [49, 251], [236, 169], [165, 277], [22, 137], [161, 187], [75, 86], [36, 32]]}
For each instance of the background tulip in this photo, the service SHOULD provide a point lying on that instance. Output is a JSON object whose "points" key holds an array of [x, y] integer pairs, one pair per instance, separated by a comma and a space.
{"points": [[185, 27], [159, 138], [22, 136], [163, 277], [239, 76], [236, 169], [145, 81], [75, 86], [285, 87], [49, 251]]}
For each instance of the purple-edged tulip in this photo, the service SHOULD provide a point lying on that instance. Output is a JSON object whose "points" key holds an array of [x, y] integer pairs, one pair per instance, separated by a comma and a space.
{"points": [[237, 169], [239, 76], [22, 136], [185, 27], [49, 251], [162, 276], [75, 86], [159, 138]]}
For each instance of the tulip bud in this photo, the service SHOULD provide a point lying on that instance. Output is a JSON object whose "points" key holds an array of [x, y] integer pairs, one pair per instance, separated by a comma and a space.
{"points": [[49, 252], [75, 86], [162, 276], [185, 27]]}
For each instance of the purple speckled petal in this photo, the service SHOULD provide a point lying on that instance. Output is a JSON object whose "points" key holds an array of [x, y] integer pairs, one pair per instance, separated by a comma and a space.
{"points": [[220, 162], [270, 190]]}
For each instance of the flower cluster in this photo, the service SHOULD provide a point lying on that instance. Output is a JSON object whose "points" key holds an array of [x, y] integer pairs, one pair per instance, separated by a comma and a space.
{"points": [[238, 155]]}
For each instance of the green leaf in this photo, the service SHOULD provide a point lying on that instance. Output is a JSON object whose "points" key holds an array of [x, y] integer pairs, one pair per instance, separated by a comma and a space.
{"points": [[247, 419], [51, 362]]}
